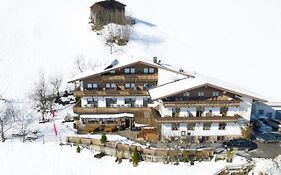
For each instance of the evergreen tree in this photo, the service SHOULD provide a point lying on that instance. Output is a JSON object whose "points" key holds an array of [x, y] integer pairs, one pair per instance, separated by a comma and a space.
{"points": [[103, 139], [135, 157], [78, 149]]}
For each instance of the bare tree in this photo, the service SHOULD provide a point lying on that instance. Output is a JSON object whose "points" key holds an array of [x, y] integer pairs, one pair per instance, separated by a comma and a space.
{"points": [[41, 96], [56, 81], [80, 63]]}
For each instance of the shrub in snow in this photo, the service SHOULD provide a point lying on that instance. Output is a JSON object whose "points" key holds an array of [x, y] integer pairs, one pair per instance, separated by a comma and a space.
{"points": [[103, 139], [229, 155], [78, 149], [135, 157]]}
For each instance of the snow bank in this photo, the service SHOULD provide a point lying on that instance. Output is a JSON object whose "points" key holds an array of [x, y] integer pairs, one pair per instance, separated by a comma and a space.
{"points": [[267, 166], [45, 159]]}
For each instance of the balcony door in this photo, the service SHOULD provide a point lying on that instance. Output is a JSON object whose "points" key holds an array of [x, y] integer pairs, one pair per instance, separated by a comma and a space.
{"points": [[130, 102], [199, 111], [110, 102]]}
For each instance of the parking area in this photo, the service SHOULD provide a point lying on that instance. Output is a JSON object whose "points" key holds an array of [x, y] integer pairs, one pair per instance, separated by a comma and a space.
{"points": [[266, 150]]}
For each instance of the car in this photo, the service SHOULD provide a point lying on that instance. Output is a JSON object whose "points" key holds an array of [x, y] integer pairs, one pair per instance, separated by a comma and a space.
{"points": [[260, 127], [240, 144], [269, 137], [274, 123]]}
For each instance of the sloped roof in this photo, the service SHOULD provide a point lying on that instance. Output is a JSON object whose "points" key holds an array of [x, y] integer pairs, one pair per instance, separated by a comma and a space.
{"points": [[117, 65], [186, 84]]}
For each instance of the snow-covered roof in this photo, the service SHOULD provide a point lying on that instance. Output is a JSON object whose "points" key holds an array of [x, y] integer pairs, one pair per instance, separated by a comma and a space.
{"points": [[186, 84], [106, 116], [116, 64]]}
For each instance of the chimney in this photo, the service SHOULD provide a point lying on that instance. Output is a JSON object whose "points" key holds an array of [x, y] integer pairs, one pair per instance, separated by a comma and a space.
{"points": [[155, 60]]}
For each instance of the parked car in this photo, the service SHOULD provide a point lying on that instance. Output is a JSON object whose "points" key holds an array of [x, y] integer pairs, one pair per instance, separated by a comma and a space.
{"points": [[260, 127], [269, 137], [274, 123], [240, 144]]}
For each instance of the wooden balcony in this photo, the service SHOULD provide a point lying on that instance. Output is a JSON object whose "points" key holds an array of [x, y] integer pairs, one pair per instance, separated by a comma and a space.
{"points": [[79, 93], [202, 103], [109, 110], [214, 119], [130, 77]]}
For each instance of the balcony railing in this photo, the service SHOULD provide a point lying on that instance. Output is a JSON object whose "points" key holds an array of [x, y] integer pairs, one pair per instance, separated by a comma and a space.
{"points": [[202, 103], [214, 119], [130, 77], [127, 92], [109, 110]]}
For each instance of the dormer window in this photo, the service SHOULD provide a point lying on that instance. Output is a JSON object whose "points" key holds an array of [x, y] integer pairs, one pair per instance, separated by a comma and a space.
{"points": [[201, 94]]}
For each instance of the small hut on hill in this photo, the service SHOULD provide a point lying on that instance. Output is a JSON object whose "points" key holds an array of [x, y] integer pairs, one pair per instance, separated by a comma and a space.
{"points": [[108, 11]]}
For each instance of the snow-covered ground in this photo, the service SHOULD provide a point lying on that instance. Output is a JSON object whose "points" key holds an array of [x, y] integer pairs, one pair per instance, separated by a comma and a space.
{"points": [[50, 158], [238, 41]]}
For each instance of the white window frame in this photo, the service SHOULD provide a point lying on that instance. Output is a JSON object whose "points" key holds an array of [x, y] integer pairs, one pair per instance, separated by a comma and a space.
{"points": [[201, 94], [145, 70], [215, 93], [151, 70]]}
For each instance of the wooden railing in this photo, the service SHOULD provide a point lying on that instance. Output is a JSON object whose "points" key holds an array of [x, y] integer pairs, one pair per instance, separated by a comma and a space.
{"points": [[197, 119], [128, 92], [202, 103], [130, 77], [108, 110]]}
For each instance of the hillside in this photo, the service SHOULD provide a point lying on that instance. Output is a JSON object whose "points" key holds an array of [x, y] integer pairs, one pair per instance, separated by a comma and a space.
{"points": [[238, 41]]}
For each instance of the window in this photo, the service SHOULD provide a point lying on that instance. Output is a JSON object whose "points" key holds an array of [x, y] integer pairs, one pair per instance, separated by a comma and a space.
{"points": [[269, 114], [175, 126], [186, 94], [95, 85], [151, 70], [148, 70], [190, 126], [112, 72], [201, 94], [89, 86], [261, 112], [222, 126], [147, 86], [92, 102], [110, 86], [130, 85], [127, 70], [130, 70], [215, 94], [220, 138], [145, 70], [133, 70], [183, 133], [206, 126]]}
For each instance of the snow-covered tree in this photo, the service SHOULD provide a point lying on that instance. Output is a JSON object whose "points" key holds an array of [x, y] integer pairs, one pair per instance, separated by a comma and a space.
{"points": [[7, 117]]}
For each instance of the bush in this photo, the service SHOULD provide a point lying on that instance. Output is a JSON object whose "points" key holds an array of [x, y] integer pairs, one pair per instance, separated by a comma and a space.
{"points": [[135, 157], [78, 149], [103, 139]]}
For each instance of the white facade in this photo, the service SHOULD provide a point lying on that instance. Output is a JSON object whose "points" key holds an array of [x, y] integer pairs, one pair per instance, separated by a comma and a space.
{"points": [[186, 111], [139, 101], [231, 129], [269, 110]]}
